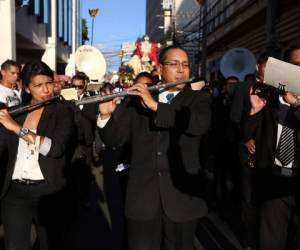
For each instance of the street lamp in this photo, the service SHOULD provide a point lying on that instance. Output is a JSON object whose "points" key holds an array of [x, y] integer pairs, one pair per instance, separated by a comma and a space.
{"points": [[93, 13]]}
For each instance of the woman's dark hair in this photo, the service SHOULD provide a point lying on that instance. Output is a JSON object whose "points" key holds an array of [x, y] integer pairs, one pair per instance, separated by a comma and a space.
{"points": [[32, 69]]}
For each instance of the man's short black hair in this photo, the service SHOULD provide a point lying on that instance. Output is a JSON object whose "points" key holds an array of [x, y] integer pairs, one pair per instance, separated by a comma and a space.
{"points": [[106, 86], [289, 51], [35, 68], [163, 52], [232, 78], [262, 58], [8, 63], [144, 74], [81, 76]]}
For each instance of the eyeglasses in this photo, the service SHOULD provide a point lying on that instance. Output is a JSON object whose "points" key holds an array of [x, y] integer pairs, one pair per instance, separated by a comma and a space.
{"points": [[176, 64], [78, 86]]}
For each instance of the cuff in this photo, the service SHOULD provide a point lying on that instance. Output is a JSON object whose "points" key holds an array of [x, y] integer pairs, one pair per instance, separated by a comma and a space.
{"points": [[101, 123], [45, 146]]}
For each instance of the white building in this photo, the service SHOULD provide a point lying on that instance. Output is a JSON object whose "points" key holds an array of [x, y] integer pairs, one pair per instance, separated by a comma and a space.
{"points": [[48, 30]]}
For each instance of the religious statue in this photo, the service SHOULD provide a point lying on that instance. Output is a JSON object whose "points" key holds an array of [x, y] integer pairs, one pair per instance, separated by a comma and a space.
{"points": [[147, 53]]}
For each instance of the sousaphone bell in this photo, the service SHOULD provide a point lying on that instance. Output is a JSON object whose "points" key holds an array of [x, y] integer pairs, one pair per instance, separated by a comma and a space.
{"points": [[238, 62]]}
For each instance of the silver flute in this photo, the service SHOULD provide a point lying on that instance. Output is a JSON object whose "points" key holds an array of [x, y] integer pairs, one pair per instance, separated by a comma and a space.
{"points": [[154, 88], [20, 109]]}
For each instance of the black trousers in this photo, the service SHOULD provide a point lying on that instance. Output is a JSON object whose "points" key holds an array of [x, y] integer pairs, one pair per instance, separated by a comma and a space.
{"points": [[279, 221], [22, 205], [161, 233], [248, 206]]}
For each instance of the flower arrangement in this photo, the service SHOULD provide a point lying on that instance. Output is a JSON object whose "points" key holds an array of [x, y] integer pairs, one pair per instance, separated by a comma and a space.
{"points": [[126, 74]]}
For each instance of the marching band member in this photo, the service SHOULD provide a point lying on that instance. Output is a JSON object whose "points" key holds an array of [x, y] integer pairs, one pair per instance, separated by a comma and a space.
{"points": [[273, 125], [8, 85], [162, 202], [33, 152]]}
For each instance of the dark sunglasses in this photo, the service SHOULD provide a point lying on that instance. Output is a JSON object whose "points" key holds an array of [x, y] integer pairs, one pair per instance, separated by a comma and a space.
{"points": [[78, 86]]}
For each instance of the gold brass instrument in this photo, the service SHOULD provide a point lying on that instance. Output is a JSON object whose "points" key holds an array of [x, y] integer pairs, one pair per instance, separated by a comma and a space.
{"points": [[91, 61]]}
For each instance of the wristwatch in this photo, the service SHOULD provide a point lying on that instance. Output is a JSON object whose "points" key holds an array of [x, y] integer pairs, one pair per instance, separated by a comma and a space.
{"points": [[23, 132]]}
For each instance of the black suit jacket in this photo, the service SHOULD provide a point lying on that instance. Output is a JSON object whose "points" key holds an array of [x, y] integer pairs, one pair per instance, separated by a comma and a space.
{"points": [[86, 123], [262, 127], [165, 168], [56, 123]]}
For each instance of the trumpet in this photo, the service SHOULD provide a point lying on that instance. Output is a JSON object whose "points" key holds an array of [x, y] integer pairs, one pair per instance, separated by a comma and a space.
{"points": [[154, 88]]}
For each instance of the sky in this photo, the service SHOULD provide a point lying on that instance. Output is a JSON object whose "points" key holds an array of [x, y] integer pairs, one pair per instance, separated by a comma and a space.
{"points": [[117, 21]]}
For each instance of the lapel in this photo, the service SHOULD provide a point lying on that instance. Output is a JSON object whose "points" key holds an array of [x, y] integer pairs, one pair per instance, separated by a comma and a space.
{"points": [[290, 120], [47, 114], [179, 98], [155, 96], [42, 126], [14, 142]]}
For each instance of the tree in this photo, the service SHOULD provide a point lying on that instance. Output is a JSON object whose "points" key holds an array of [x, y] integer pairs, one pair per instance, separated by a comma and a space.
{"points": [[84, 30]]}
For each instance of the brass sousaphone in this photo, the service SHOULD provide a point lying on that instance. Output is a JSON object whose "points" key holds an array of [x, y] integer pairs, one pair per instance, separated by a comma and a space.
{"points": [[91, 61], [238, 62]]}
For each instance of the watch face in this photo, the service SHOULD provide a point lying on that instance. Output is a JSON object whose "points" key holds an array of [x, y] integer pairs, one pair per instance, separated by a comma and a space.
{"points": [[23, 131]]}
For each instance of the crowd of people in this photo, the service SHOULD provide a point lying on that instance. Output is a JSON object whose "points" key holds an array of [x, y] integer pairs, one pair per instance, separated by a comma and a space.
{"points": [[188, 151]]}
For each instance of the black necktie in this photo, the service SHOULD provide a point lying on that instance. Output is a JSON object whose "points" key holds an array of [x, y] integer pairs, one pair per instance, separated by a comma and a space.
{"points": [[169, 97], [286, 146]]}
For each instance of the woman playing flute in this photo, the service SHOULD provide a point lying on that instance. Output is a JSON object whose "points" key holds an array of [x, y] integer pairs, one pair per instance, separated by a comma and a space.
{"points": [[33, 153]]}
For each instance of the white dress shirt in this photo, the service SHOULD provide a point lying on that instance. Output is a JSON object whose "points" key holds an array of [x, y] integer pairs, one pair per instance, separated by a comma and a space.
{"points": [[27, 165]]}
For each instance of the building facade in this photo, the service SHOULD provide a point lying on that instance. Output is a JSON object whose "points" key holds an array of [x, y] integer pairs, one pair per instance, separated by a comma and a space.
{"points": [[210, 28], [174, 21], [48, 30], [154, 20], [259, 25]]}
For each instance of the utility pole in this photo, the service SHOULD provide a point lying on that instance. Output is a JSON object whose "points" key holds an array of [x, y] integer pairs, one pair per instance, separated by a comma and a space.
{"points": [[203, 17], [199, 42], [204, 42], [273, 48]]}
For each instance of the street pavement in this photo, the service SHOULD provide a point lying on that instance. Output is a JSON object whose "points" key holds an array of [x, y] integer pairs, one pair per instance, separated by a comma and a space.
{"points": [[93, 228]]}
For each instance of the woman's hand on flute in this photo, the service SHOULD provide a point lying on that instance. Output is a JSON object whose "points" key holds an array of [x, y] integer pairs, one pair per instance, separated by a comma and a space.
{"points": [[141, 90]]}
